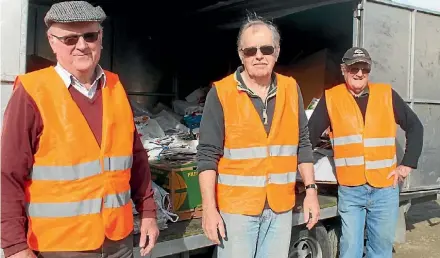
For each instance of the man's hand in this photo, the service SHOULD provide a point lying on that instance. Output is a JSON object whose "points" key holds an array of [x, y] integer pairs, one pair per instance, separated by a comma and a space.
{"points": [[27, 253], [149, 235], [311, 205], [400, 173], [211, 222]]}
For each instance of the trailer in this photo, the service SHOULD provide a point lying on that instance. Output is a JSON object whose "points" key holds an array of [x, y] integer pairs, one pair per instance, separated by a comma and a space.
{"points": [[160, 62]]}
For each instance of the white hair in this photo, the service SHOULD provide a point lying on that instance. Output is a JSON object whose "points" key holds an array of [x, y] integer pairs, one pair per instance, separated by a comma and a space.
{"points": [[252, 19]]}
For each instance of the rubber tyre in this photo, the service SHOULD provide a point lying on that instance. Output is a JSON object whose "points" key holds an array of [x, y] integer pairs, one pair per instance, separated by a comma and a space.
{"points": [[312, 243], [334, 234]]}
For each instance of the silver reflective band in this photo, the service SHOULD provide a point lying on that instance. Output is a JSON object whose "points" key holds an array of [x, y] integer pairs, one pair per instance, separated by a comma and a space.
{"points": [[354, 161], [83, 170], [60, 173], [283, 150], [72, 209], [249, 181], [368, 142], [118, 163], [377, 142], [260, 152], [117, 200], [357, 138], [357, 161], [378, 164], [65, 209], [281, 179], [245, 153], [256, 181]]}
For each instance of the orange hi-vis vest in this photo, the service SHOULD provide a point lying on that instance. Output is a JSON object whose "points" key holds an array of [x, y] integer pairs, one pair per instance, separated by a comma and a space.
{"points": [[364, 152], [257, 166], [78, 192]]}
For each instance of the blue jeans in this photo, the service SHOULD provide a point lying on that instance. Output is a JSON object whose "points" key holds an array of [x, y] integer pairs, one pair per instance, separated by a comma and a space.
{"points": [[373, 209], [263, 236]]}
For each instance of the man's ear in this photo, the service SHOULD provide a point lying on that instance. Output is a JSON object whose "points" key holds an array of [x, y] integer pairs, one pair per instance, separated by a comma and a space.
{"points": [[277, 53], [343, 69], [51, 41]]}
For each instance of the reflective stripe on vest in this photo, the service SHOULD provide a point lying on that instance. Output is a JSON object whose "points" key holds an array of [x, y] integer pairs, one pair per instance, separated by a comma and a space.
{"points": [[257, 181], [72, 209], [80, 171], [78, 185], [260, 152], [257, 167], [371, 142], [256, 153]]}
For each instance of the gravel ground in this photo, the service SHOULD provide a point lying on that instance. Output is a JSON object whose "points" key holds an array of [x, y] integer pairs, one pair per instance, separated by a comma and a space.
{"points": [[423, 232]]}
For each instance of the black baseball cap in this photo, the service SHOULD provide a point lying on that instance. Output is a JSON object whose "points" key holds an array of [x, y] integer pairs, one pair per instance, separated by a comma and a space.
{"points": [[356, 55]]}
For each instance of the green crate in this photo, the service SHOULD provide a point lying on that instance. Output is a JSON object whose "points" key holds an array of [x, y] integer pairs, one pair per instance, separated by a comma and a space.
{"points": [[181, 180]]}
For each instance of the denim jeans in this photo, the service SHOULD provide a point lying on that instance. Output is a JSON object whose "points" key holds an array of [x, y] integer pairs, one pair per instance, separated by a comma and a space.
{"points": [[263, 236], [373, 209]]}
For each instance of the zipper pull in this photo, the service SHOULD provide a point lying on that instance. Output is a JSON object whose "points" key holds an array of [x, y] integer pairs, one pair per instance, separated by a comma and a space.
{"points": [[264, 116]]}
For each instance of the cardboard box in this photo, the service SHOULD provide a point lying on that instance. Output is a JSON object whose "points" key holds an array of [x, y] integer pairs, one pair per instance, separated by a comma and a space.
{"points": [[181, 180], [314, 74]]}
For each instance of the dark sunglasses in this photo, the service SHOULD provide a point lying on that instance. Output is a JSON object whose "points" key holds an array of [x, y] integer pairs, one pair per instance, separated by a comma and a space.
{"points": [[71, 40], [252, 51], [355, 70]]}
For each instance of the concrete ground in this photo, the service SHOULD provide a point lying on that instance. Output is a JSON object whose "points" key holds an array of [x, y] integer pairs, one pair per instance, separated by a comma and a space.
{"points": [[423, 232]]}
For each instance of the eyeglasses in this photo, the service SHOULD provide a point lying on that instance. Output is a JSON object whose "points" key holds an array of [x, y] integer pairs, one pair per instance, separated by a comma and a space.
{"points": [[71, 40], [252, 51], [355, 70]]}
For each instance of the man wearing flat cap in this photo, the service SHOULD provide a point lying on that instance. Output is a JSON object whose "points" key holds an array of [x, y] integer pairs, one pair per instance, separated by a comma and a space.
{"points": [[72, 158], [362, 117]]}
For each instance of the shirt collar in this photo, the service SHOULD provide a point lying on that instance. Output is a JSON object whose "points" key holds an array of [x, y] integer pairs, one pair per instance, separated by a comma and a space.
{"points": [[68, 77], [364, 93], [242, 86]]}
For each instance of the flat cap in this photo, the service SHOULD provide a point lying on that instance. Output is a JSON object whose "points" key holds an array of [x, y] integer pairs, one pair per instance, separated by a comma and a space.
{"points": [[74, 11]]}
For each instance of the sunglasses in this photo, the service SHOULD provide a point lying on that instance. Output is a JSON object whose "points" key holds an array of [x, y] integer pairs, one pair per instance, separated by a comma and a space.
{"points": [[71, 40], [252, 51], [355, 70]]}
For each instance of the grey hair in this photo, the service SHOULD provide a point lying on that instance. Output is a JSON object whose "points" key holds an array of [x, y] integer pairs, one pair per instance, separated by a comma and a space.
{"points": [[253, 19]]}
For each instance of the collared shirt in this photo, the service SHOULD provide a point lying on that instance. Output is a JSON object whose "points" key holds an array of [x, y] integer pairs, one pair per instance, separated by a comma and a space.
{"points": [[70, 80], [242, 86], [364, 93]]}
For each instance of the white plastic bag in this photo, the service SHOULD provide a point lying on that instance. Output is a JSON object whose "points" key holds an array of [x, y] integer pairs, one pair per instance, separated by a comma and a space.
{"points": [[162, 199]]}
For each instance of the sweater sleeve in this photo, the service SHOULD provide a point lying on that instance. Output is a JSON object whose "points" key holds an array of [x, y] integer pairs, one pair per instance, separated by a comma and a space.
{"points": [[22, 125], [140, 181]]}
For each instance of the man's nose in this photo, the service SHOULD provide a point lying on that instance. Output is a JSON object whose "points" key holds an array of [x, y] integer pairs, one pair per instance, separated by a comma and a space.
{"points": [[360, 73], [259, 55], [81, 44]]}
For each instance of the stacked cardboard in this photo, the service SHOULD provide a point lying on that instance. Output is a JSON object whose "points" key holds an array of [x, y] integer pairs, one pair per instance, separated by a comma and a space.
{"points": [[313, 73]]}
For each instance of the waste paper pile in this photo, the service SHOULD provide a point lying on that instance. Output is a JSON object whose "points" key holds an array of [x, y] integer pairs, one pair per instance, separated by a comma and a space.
{"points": [[168, 134]]}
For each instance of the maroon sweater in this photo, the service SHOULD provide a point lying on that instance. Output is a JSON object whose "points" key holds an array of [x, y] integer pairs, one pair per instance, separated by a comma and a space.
{"points": [[22, 128]]}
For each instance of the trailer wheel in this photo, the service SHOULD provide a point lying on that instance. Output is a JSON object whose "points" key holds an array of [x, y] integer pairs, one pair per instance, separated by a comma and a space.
{"points": [[334, 234], [312, 243]]}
